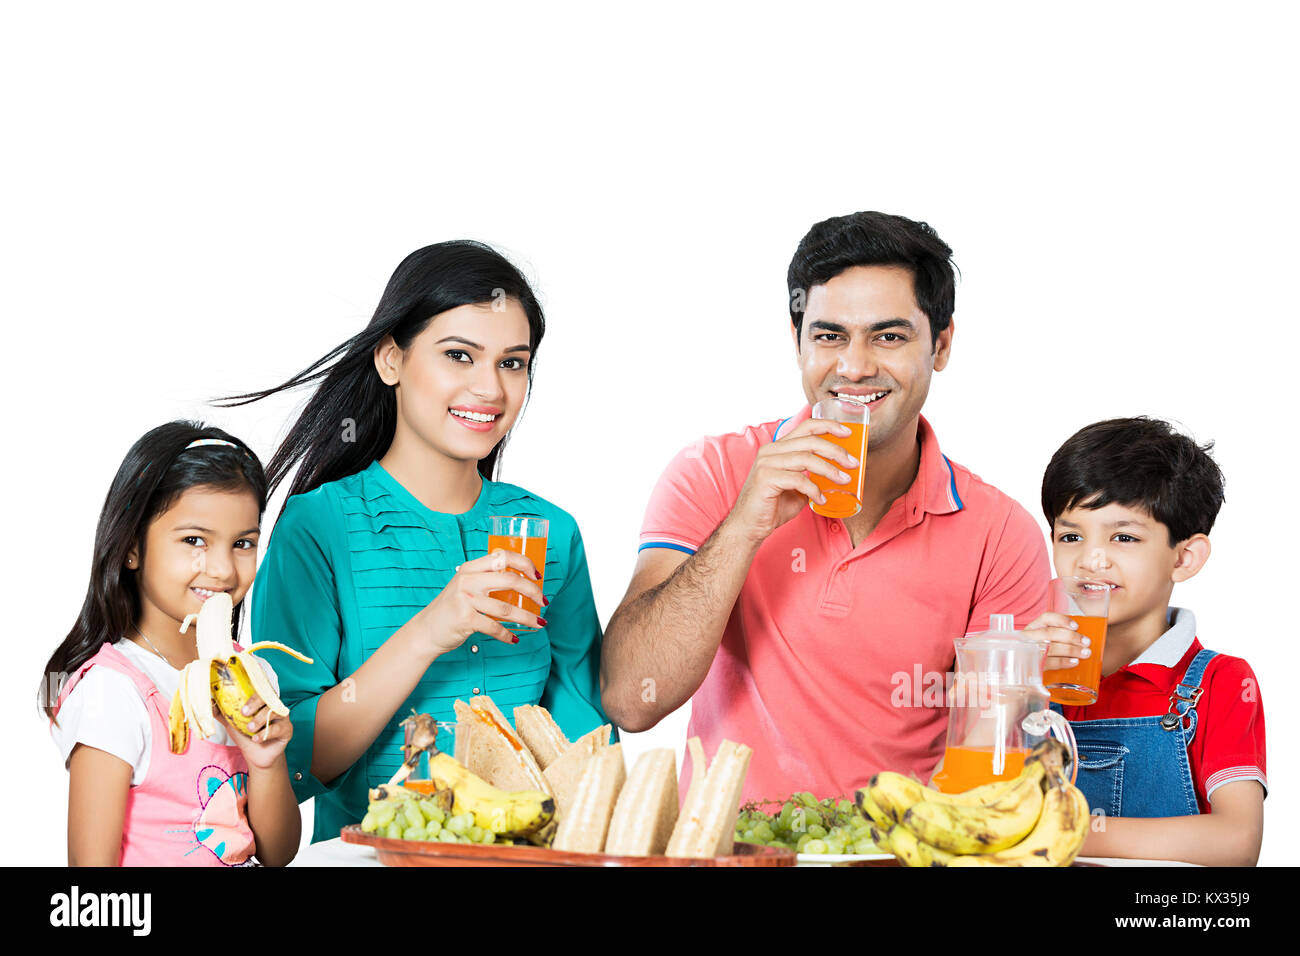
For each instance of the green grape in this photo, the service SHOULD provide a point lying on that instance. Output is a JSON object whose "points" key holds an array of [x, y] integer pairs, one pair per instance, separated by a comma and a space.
{"points": [[413, 833], [488, 837], [393, 831], [803, 842], [816, 831], [385, 815], [748, 836], [865, 846], [787, 813], [411, 813], [814, 846], [368, 823], [763, 830], [475, 834], [807, 799], [446, 836], [433, 828]]}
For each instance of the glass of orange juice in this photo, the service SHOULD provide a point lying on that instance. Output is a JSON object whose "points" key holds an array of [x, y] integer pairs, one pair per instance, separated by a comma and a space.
{"points": [[1088, 603], [843, 501], [526, 536]]}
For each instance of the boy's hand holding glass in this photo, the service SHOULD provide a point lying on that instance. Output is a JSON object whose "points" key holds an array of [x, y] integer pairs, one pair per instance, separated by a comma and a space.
{"points": [[1067, 645], [465, 606]]}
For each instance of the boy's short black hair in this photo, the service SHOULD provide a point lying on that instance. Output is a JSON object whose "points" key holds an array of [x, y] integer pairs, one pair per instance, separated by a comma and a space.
{"points": [[1141, 463], [875, 239]]}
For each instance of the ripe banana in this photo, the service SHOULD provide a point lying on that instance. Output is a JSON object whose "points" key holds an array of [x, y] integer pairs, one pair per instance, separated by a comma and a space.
{"points": [[910, 851], [1054, 841], [220, 673], [983, 828], [894, 794], [872, 810]]}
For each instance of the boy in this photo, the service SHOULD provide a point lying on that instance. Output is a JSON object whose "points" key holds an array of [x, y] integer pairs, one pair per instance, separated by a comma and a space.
{"points": [[1131, 503]]}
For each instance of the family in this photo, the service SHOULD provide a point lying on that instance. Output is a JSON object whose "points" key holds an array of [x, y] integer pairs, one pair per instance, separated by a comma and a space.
{"points": [[783, 628]]}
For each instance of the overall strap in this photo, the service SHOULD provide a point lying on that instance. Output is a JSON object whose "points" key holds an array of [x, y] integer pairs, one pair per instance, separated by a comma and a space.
{"points": [[1183, 701]]}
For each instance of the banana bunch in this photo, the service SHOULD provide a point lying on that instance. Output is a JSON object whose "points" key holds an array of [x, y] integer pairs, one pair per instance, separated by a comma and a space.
{"points": [[221, 674], [521, 813], [1037, 819]]}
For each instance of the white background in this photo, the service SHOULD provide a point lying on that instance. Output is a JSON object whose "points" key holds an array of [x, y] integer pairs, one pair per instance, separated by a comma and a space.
{"points": [[197, 204]]}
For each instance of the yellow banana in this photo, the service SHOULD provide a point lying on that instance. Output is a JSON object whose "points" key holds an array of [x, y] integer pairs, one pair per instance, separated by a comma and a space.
{"points": [[1054, 841], [221, 674], [872, 810], [911, 851], [894, 794], [983, 828], [516, 813]]}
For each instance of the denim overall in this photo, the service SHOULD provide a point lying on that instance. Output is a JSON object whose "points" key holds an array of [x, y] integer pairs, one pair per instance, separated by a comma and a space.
{"points": [[1138, 766]]}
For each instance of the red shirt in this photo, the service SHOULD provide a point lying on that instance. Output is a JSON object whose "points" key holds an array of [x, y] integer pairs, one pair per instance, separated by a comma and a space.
{"points": [[832, 663], [1229, 741]]}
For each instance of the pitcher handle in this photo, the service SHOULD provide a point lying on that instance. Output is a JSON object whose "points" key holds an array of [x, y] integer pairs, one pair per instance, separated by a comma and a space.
{"points": [[1042, 722]]}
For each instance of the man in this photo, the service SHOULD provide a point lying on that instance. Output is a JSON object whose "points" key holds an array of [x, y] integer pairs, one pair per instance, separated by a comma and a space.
{"points": [[803, 636]]}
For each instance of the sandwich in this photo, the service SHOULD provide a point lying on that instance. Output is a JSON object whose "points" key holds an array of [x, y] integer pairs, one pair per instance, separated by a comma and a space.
{"points": [[487, 746], [706, 825], [564, 773], [646, 811], [541, 733], [585, 823]]}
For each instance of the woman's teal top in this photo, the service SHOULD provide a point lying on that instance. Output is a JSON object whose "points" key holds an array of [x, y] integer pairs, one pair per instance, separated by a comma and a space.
{"points": [[352, 561]]}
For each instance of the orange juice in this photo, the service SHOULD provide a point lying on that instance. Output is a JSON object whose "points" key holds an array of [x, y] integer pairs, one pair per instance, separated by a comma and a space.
{"points": [[1078, 685], [532, 548], [967, 767], [844, 501]]}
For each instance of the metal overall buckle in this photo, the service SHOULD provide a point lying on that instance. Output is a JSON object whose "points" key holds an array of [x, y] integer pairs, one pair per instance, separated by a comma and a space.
{"points": [[1173, 719]]}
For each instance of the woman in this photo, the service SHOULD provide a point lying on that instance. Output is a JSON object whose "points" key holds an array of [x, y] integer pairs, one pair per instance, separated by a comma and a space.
{"points": [[377, 567]]}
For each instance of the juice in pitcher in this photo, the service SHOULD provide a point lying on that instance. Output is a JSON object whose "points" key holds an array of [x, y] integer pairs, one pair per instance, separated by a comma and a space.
{"points": [[965, 768]]}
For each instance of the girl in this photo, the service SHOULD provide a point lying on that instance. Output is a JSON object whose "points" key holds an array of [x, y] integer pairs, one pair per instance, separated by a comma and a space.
{"points": [[180, 522], [378, 569]]}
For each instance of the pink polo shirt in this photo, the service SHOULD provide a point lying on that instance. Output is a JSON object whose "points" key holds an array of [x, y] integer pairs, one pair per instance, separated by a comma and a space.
{"points": [[826, 659]]}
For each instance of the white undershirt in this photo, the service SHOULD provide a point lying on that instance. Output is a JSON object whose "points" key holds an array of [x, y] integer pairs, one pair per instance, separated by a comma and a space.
{"points": [[105, 711]]}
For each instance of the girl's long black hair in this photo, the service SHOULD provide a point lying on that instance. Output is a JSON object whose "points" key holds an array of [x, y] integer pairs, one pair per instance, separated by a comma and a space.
{"points": [[152, 476], [351, 418]]}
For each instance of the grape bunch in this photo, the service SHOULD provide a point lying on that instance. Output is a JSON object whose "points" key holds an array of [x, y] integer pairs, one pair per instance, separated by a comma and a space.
{"points": [[806, 825], [423, 820]]}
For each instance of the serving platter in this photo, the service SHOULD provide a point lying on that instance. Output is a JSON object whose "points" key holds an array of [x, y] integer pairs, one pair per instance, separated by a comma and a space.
{"points": [[420, 853]]}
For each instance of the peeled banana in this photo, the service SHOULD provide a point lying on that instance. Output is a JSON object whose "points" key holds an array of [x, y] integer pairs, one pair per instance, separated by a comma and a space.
{"points": [[1036, 819], [220, 674]]}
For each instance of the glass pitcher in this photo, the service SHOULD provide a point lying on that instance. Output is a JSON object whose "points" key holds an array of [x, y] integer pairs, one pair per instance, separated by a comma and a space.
{"points": [[998, 708]]}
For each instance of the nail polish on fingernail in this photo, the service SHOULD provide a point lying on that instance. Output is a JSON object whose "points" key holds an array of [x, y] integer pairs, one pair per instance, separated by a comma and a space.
{"points": [[541, 622], [1074, 661], [1074, 625], [1087, 642], [538, 574], [544, 601], [514, 638]]}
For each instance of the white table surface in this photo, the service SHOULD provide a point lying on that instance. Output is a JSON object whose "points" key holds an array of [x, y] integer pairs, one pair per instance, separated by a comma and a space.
{"points": [[337, 853]]}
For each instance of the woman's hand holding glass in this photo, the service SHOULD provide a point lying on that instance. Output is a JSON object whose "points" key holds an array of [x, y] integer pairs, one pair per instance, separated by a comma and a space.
{"points": [[464, 607]]}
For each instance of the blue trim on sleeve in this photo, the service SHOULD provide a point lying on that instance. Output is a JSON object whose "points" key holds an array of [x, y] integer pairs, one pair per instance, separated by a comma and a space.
{"points": [[952, 484], [779, 426], [664, 544]]}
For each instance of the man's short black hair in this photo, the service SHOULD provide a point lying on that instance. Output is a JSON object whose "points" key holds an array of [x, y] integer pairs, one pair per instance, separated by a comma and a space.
{"points": [[875, 239], [1140, 463]]}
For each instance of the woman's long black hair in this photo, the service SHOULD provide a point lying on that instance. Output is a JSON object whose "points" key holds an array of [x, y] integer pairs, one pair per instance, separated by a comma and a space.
{"points": [[351, 418], [153, 475]]}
